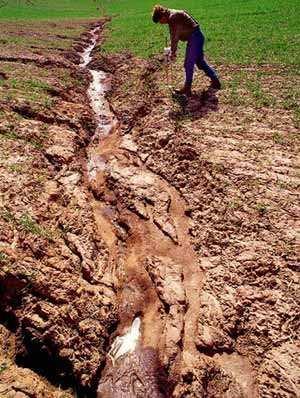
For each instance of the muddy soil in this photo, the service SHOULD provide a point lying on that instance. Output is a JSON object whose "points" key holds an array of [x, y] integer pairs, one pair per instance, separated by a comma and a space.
{"points": [[148, 247], [222, 255], [57, 299]]}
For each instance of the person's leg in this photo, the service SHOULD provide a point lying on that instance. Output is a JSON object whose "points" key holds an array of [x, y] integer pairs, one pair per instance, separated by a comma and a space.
{"points": [[192, 52], [189, 65], [208, 70]]}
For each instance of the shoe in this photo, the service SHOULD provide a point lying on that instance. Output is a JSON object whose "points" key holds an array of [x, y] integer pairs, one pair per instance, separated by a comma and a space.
{"points": [[186, 90], [215, 83]]}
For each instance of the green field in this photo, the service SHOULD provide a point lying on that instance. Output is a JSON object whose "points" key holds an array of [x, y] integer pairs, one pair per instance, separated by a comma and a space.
{"points": [[237, 31]]}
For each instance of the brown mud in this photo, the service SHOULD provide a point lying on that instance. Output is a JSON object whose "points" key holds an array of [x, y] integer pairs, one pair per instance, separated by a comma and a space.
{"points": [[225, 190], [141, 211]]}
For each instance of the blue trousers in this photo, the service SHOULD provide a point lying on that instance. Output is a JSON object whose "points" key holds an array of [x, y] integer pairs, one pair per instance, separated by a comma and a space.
{"points": [[195, 56]]}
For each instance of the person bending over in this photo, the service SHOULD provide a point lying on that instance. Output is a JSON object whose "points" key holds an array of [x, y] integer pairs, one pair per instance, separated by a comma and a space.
{"points": [[185, 28]]}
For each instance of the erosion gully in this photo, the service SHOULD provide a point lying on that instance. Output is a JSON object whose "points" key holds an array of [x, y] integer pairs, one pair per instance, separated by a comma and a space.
{"points": [[153, 267]]}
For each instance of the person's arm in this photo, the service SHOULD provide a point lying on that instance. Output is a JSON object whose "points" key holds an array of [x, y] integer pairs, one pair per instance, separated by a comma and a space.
{"points": [[174, 40]]}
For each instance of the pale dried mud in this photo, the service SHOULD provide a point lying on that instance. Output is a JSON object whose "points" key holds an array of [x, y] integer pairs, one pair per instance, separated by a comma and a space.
{"points": [[184, 216]]}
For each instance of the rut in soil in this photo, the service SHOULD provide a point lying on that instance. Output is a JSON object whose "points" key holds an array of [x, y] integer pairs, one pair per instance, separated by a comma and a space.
{"points": [[154, 270]]}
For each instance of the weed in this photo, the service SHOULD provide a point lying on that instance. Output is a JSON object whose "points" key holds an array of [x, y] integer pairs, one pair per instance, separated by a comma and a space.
{"points": [[291, 100], [3, 367], [41, 178], [3, 258], [48, 102], [7, 215], [36, 144], [278, 139], [7, 97], [31, 276], [31, 226], [218, 168], [65, 228], [44, 130], [234, 204], [262, 208], [16, 168], [297, 117], [11, 135]]}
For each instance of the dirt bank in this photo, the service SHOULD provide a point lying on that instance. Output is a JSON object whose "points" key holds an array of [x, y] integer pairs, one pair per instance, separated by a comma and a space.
{"points": [[53, 260]]}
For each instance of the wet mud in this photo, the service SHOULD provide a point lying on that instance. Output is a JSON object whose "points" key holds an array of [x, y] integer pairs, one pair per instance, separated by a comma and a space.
{"points": [[184, 187], [154, 268]]}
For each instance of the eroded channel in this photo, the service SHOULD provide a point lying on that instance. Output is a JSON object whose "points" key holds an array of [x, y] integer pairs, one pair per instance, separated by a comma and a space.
{"points": [[153, 267]]}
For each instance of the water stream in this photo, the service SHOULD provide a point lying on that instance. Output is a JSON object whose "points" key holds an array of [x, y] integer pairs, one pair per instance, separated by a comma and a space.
{"points": [[100, 84], [106, 123]]}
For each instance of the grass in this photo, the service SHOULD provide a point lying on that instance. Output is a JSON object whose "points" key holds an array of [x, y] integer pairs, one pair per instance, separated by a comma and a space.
{"points": [[237, 31], [260, 97], [27, 89], [260, 89], [278, 138], [26, 223], [12, 135], [16, 168]]}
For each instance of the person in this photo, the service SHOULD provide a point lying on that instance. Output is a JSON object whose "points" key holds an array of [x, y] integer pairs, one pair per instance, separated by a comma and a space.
{"points": [[185, 28]]}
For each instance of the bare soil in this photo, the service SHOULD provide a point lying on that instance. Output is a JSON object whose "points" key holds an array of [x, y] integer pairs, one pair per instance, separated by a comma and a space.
{"points": [[188, 219]]}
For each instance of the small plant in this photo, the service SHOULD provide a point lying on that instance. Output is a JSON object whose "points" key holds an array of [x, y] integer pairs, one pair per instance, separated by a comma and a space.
{"points": [[6, 215], [235, 96], [297, 117], [3, 367], [36, 144], [218, 168], [262, 208], [291, 100], [278, 139], [48, 103], [3, 258], [16, 168], [65, 228], [12, 135], [30, 225], [8, 134]]}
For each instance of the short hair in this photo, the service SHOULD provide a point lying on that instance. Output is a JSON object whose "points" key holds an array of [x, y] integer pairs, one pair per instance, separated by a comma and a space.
{"points": [[159, 12]]}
